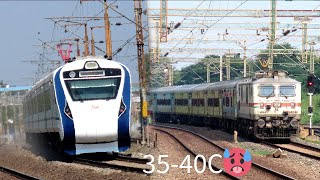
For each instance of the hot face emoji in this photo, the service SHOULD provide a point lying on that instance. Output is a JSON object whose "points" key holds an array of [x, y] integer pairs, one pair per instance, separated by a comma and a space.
{"points": [[237, 162]]}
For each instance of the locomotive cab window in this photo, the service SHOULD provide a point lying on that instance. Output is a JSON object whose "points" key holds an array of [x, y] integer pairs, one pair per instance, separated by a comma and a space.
{"points": [[93, 89], [266, 91], [287, 91]]}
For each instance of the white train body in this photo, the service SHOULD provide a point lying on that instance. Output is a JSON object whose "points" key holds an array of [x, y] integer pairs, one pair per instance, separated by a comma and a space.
{"points": [[82, 107]]}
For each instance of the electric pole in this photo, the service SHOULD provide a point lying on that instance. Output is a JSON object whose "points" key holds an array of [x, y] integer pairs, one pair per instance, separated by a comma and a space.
{"points": [[272, 33], [107, 31], [141, 66], [93, 51], [86, 41]]}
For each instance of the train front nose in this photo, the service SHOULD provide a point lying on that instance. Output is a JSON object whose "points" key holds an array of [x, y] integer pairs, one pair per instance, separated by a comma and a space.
{"points": [[97, 125]]}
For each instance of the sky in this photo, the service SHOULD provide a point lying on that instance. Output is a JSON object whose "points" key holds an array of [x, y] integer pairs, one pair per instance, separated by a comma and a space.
{"points": [[213, 32], [23, 25]]}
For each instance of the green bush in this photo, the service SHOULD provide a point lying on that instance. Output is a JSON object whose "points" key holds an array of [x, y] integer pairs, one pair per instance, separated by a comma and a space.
{"points": [[304, 109]]}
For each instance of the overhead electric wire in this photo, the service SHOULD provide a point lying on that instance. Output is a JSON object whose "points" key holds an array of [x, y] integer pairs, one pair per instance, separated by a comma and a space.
{"points": [[75, 7], [73, 33], [187, 33], [122, 15], [127, 42], [92, 19], [208, 27]]}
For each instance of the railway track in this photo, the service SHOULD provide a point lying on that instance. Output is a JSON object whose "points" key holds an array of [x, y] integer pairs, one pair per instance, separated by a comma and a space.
{"points": [[125, 163], [258, 166], [195, 154], [304, 150], [17, 174]]}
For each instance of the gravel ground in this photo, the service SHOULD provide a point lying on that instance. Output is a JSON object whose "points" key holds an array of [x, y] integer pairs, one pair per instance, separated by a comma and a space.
{"points": [[298, 140], [11, 156], [295, 165], [202, 147], [167, 146], [6, 176]]}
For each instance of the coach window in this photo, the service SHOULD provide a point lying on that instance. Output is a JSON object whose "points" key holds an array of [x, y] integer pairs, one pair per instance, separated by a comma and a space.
{"points": [[266, 91], [227, 101], [287, 91]]}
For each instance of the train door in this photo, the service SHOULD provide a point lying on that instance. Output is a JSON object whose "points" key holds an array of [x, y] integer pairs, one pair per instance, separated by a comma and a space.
{"points": [[172, 97], [189, 102]]}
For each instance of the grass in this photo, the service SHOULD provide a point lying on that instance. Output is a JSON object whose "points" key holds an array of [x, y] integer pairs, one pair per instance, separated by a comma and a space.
{"points": [[316, 109], [311, 141], [255, 151], [262, 152]]}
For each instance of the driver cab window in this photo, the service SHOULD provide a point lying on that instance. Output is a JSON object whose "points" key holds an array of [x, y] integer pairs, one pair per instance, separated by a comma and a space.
{"points": [[287, 91], [266, 91]]}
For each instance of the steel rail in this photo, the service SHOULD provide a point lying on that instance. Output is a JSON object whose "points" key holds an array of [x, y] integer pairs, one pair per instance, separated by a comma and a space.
{"points": [[128, 158], [194, 154], [295, 151], [17, 174], [109, 165], [278, 174]]}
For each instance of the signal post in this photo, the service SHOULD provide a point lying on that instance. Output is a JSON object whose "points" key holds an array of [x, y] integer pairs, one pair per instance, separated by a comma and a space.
{"points": [[310, 87]]}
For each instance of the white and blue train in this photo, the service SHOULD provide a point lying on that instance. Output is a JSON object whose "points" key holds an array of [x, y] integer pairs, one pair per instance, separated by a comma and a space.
{"points": [[82, 107]]}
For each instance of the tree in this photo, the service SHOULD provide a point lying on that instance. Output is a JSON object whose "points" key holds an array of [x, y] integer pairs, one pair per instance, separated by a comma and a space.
{"points": [[155, 71], [197, 73]]}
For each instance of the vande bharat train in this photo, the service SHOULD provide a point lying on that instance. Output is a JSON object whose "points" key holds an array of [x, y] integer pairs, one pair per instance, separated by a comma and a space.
{"points": [[82, 107], [267, 106]]}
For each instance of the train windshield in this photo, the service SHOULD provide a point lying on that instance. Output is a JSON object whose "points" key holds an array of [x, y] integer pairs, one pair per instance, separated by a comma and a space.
{"points": [[287, 91], [266, 91], [93, 89]]}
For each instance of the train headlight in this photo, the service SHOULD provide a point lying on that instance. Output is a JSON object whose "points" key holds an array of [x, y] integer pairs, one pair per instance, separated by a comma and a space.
{"points": [[72, 74], [277, 104], [261, 123], [294, 123], [67, 111], [261, 105], [91, 65], [293, 105], [122, 108]]}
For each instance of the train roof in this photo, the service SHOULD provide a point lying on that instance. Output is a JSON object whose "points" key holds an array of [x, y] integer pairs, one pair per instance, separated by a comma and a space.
{"points": [[280, 80], [224, 84], [163, 89], [227, 84], [169, 89]]}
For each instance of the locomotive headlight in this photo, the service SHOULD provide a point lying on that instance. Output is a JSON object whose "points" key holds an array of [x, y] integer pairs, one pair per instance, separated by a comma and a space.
{"points": [[294, 123], [91, 65], [72, 74], [293, 105], [261, 123], [261, 105], [277, 104]]}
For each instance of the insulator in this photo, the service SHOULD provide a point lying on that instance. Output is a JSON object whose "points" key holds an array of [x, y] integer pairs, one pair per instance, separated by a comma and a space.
{"points": [[118, 50], [286, 32], [177, 25]]}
